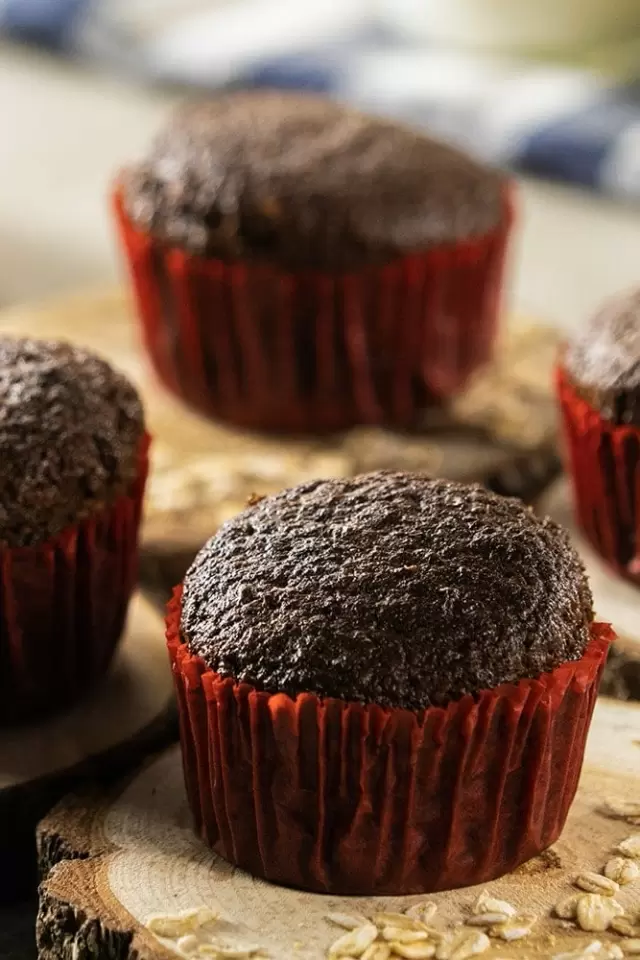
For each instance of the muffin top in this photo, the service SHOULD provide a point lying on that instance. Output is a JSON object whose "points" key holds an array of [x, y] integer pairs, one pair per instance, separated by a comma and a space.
{"points": [[70, 430], [389, 588], [603, 360], [305, 182]]}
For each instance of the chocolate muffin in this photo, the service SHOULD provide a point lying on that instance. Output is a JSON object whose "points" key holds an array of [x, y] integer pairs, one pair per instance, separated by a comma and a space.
{"points": [[306, 183], [274, 201], [599, 392], [348, 651], [70, 434], [603, 361], [387, 588], [72, 472]]}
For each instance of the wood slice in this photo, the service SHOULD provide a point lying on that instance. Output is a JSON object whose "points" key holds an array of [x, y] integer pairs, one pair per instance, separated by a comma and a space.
{"points": [[113, 860], [616, 600], [111, 730]]}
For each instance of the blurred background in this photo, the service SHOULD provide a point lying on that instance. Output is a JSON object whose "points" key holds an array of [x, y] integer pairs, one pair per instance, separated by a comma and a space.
{"points": [[550, 88]]}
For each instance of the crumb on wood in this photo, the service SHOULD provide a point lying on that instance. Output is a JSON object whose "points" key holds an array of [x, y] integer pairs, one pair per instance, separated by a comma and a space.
{"points": [[547, 860]]}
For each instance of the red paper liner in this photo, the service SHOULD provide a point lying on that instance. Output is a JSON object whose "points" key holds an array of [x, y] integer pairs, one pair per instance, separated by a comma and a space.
{"points": [[63, 605], [604, 464], [311, 351], [342, 798]]}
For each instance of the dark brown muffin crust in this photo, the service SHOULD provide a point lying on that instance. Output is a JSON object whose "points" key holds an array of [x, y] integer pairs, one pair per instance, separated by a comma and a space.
{"points": [[70, 432], [388, 588], [603, 361], [303, 181]]}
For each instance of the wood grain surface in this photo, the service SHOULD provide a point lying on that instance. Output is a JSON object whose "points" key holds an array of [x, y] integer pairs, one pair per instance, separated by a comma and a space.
{"points": [[114, 860]]}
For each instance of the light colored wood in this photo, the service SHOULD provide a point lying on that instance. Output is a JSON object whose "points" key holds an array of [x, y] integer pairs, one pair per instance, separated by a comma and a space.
{"points": [[616, 600], [136, 692], [145, 860]]}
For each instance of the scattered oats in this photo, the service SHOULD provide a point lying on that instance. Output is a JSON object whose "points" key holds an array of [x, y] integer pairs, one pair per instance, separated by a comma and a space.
{"points": [[219, 952], [582, 953], [413, 951], [179, 924], [422, 912], [631, 948], [355, 942], [567, 925], [346, 920], [620, 809], [567, 908], [624, 926], [400, 935], [514, 929], [433, 933], [610, 951], [401, 920], [463, 945], [630, 847], [486, 919], [622, 870], [377, 951], [596, 912], [596, 883], [188, 943], [488, 904]]}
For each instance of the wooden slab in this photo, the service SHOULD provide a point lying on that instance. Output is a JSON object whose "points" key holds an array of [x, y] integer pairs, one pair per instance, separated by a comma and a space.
{"points": [[140, 858], [129, 714]]}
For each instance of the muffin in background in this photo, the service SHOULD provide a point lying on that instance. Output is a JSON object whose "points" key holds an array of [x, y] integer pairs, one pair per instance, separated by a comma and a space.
{"points": [[73, 466], [599, 392], [385, 684], [299, 266]]}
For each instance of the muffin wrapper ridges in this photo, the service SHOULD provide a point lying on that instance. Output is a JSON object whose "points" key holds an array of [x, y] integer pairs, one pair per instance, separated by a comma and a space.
{"points": [[267, 349], [63, 606], [338, 797], [604, 462]]}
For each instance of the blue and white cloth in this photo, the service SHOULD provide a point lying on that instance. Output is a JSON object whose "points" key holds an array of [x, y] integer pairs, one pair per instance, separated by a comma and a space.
{"points": [[559, 123]]}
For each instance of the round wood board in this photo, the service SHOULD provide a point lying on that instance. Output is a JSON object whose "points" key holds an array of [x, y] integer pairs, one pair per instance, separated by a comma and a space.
{"points": [[129, 714], [111, 861], [616, 600]]}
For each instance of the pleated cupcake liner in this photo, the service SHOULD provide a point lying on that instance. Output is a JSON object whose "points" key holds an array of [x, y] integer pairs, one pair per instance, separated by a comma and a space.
{"points": [[343, 798], [63, 606], [604, 465], [311, 351]]}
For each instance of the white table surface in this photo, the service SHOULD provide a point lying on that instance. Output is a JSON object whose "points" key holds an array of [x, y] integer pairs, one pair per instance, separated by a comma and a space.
{"points": [[66, 130]]}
